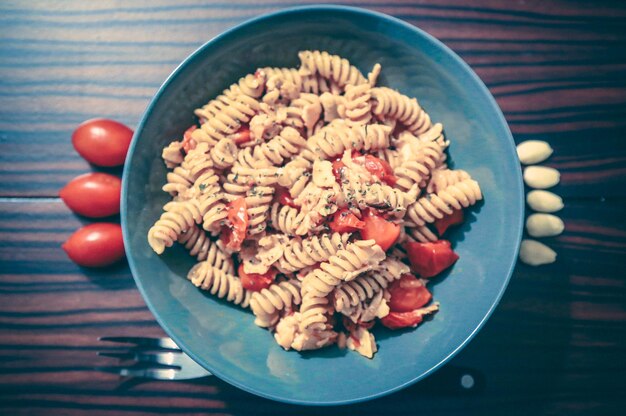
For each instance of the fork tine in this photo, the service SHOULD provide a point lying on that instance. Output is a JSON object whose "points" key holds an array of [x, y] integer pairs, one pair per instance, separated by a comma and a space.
{"points": [[119, 355], [166, 343], [164, 358], [156, 373]]}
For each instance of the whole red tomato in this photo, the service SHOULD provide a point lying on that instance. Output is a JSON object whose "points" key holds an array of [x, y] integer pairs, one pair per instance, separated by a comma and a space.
{"points": [[102, 142], [96, 245], [93, 195]]}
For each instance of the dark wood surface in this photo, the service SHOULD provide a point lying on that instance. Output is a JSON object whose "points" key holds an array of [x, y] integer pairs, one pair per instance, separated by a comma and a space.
{"points": [[556, 343]]}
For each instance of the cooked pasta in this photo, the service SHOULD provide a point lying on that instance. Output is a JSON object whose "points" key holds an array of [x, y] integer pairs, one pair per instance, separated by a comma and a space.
{"points": [[219, 283], [434, 206], [367, 285], [266, 303], [200, 245], [328, 191], [331, 67], [300, 253], [392, 104]]}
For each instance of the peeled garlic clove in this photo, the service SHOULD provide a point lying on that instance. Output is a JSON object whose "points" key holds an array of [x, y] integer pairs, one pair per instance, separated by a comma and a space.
{"points": [[544, 225], [535, 253], [541, 177], [544, 201], [533, 151]]}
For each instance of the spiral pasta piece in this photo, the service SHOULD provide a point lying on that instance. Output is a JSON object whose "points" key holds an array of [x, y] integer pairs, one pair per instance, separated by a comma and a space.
{"points": [[442, 178], [177, 218], [435, 134], [368, 309], [258, 201], [317, 84], [284, 146], [195, 163], [197, 241], [390, 156], [172, 154], [266, 303], [423, 234], [178, 181], [332, 67], [364, 287], [380, 196], [303, 112], [314, 311], [295, 176], [251, 86], [247, 171], [219, 283], [213, 210], [224, 154], [230, 115], [291, 75], [300, 253], [392, 104], [285, 219], [358, 105], [418, 170], [434, 206], [345, 265], [338, 136]]}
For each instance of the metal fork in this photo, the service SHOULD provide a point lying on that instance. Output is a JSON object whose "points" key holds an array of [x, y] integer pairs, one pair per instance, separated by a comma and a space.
{"points": [[170, 363], [157, 358]]}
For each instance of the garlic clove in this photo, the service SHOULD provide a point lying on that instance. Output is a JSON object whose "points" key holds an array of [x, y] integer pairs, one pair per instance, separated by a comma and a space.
{"points": [[544, 201], [533, 151], [535, 253], [541, 177], [544, 225]]}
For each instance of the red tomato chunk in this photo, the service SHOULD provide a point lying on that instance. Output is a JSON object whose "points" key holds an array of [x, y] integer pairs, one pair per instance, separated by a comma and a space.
{"points": [[430, 259], [344, 221], [384, 232], [254, 281]]}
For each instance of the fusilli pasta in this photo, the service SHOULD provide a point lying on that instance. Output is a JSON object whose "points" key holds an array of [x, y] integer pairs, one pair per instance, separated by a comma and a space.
{"points": [[322, 187]]}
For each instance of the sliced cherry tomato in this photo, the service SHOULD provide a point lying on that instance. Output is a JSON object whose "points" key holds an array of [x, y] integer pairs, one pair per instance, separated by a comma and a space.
{"points": [[188, 142], [254, 281], [430, 259], [407, 294], [96, 245], [344, 221], [234, 235], [284, 197], [397, 320], [242, 135], [93, 195], [377, 228], [338, 167], [377, 167], [448, 221], [102, 142]]}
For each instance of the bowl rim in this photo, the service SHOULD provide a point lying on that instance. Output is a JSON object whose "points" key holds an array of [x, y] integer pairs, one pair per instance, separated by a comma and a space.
{"points": [[516, 234]]}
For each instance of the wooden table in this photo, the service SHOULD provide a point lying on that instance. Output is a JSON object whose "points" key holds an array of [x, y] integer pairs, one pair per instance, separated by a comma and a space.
{"points": [[556, 343]]}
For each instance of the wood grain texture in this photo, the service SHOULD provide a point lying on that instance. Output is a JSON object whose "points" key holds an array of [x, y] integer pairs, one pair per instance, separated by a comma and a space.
{"points": [[555, 70], [556, 343]]}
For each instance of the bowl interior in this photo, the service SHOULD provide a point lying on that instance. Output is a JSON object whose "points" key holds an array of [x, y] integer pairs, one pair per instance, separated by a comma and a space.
{"points": [[223, 338]]}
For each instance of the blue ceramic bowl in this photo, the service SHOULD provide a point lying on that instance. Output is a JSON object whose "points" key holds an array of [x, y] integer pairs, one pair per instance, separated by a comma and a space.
{"points": [[223, 338]]}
